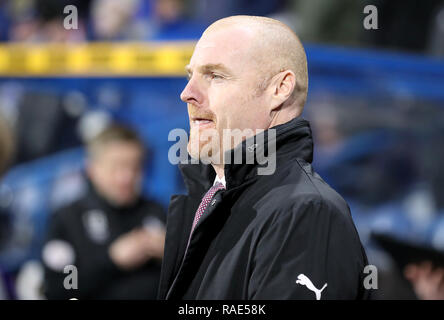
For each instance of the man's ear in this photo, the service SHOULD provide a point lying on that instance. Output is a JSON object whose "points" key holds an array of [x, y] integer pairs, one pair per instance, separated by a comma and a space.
{"points": [[282, 86]]}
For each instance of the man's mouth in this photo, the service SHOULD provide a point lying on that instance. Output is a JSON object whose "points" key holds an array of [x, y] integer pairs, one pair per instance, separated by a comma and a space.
{"points": [[201, 121]]}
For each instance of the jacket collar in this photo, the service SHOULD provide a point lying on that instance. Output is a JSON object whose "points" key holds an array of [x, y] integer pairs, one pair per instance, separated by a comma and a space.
{"points": [[293, 140]]}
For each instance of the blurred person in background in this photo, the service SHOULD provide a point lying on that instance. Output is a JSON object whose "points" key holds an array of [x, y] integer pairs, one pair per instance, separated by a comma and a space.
{"points": [[6, 144], [6, 151], [113, 236], [113, 19], [427, 280], [210, 11], [43, 20], [171, 21], [158, 20]]}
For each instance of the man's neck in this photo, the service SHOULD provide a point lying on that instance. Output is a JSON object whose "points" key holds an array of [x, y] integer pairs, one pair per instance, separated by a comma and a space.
{"points": [[219, 168]]}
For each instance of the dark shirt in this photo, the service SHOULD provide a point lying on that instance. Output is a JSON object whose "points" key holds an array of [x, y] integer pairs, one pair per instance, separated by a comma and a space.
{"points": [[80, 234]]}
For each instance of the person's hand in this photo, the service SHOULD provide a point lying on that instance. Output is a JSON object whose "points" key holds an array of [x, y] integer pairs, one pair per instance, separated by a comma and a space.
{"points": [[128, 251], [154, 241], [134, 248], [427, 281]]}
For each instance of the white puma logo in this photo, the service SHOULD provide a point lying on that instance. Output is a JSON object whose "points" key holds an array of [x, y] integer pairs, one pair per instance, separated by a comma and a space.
{"points": [[304, 281]]}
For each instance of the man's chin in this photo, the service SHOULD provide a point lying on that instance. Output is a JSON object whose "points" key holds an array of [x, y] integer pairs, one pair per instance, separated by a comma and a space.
{"points": [[204, 153], [123, 201], [194, 150]]}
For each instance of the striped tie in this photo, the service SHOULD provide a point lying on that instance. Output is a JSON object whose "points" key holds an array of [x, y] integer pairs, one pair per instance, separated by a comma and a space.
{"points": [[205, 202]]}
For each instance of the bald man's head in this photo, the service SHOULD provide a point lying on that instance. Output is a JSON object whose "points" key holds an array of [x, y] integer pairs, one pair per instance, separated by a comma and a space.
{"points": [[246, 73], [274, 48]]}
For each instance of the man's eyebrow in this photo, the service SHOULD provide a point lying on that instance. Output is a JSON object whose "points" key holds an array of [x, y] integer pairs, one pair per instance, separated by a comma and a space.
{"points": [[213, 67], [208, 68]]}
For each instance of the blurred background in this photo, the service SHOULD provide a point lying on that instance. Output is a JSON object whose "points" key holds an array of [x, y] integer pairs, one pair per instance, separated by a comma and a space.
{"points": [[376, 104]]}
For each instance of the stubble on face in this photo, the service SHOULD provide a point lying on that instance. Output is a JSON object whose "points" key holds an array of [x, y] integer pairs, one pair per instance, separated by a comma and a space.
{"points": [[203, 142], [237, 108]]}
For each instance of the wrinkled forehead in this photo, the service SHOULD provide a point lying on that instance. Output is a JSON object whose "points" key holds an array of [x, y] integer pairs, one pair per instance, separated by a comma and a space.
{"points": [[229, 46]]}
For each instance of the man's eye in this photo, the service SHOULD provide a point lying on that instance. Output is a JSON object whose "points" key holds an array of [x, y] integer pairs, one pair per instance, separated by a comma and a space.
{"points": [[215, 76]]}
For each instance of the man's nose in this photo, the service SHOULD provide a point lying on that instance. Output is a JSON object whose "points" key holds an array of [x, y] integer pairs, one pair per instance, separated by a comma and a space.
{"points": [[127, 176], [192, 93]]}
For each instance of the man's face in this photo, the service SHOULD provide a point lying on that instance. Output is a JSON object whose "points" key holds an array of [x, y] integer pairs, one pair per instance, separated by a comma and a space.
{"points": [[116, 172], [223, 88]]}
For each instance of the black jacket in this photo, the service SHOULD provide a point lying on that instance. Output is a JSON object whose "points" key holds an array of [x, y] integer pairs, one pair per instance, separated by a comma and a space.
{"points": [[89, 226], [264, 232]]}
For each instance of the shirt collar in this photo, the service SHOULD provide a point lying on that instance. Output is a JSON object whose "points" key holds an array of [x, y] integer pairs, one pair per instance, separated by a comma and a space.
{"points": [[217, 179]]}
